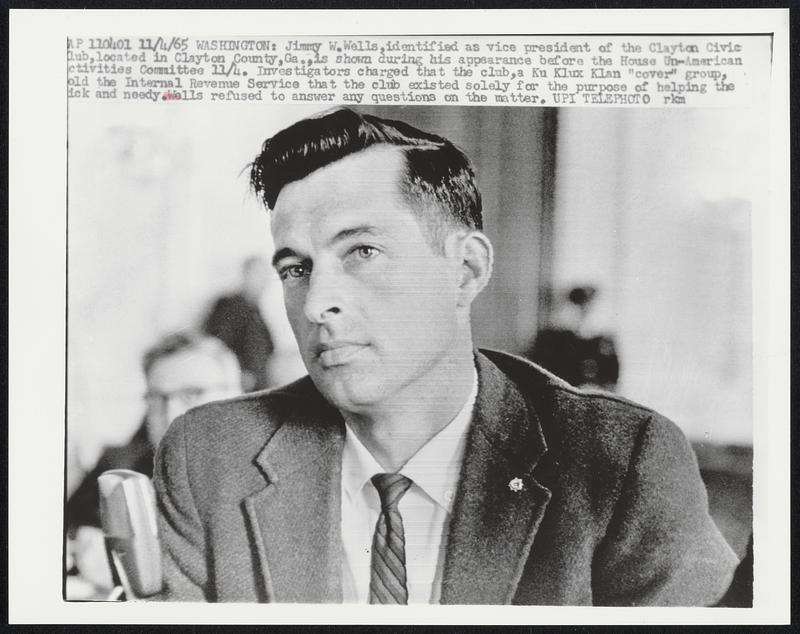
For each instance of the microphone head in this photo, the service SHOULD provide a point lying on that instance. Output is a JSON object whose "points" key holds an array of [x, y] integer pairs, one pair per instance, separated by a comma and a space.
{"points": [[128, 515]]}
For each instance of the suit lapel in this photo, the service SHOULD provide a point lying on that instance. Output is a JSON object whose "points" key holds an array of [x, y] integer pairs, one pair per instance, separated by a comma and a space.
{"points": [[295, 520], [499, 503]]}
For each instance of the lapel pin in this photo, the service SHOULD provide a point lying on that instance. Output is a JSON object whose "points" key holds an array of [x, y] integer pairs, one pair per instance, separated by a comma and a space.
{"points": [[516, 485]]}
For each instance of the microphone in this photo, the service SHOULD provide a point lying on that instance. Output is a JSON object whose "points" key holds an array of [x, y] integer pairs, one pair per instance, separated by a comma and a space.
{"points": [[128, 515]]}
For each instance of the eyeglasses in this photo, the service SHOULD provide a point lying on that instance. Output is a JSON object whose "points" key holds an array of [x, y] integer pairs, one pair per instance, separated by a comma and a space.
{"points": [[188, 396]]}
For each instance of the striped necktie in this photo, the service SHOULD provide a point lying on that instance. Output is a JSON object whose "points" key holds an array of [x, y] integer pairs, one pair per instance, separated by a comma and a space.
{"points": [[388, 578]]}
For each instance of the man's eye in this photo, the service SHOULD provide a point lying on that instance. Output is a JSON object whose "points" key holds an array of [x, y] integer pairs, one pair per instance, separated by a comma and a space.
{"points": [[364, 251], [294, 271]]}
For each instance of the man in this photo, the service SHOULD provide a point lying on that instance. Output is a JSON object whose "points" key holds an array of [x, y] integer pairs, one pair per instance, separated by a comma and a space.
{"points": [[182, 370], [408, 466], [568, 350], [237, 320]]}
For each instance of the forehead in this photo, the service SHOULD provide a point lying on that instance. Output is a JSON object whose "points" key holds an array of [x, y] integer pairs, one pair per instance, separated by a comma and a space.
{"points": [[363, 185], [188, 368]]}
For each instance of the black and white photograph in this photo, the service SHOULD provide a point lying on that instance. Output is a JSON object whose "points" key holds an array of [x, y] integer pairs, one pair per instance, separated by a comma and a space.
{"points": [[415, 320]]}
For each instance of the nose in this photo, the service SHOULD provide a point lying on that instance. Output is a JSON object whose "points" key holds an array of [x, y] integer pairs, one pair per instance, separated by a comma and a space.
{"points": [[323, 299]]}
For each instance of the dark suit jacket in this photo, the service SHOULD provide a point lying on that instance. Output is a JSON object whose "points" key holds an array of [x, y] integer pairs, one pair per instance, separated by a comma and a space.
{"points": [[612, 509]]}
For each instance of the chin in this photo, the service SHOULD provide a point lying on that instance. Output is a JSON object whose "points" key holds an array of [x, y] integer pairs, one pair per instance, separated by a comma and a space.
{"points": [[352, 393]]}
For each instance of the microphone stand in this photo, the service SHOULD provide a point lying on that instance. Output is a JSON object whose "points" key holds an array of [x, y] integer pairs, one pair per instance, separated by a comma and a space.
{"points": [[122, 587]]}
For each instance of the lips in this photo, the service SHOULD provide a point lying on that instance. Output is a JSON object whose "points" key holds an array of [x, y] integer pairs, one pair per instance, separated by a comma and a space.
{"points": [[338, 353]]}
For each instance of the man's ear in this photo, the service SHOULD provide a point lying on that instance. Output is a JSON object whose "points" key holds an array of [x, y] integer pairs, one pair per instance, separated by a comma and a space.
{"points": [[477, 256]]}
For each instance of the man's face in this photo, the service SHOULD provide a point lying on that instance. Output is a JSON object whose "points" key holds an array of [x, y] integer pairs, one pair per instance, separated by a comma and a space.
{"points": [[373, 307], [180, 381]]}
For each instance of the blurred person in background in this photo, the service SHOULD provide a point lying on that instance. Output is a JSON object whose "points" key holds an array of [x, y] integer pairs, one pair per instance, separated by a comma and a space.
{"points": [[182, 370], [238, 320], [571, 351]]}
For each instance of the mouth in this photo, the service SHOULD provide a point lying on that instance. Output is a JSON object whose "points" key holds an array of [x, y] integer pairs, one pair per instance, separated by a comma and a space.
{"points": [[334, 354]]}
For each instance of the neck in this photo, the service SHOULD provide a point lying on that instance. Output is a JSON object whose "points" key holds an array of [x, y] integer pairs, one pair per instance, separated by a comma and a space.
{"points": [[396, 432]]}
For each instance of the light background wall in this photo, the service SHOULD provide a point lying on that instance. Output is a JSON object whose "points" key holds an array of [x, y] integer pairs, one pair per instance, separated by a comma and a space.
{"points": [[654, 207]]}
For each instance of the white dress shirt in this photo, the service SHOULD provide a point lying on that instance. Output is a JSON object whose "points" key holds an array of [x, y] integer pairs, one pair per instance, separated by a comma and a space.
{"points": [[425, 509]]}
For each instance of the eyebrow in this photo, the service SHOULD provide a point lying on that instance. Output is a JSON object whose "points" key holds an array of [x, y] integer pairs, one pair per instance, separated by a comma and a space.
{"points": [[280, 254], [351, 232], [344, 234]]}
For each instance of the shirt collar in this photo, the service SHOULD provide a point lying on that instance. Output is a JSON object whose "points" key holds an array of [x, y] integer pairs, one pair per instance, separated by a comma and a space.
{"points": [[435, 468], [358, 464]]}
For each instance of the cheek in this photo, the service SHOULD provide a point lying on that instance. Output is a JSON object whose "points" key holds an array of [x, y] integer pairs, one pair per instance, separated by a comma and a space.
{"points": [[419, 279], [293, 304], [424, 310]]}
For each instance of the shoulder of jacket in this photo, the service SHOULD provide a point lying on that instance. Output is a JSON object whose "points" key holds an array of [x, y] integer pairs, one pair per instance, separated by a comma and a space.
{"points": [[531, 377], [253, 415], [595, 424]]}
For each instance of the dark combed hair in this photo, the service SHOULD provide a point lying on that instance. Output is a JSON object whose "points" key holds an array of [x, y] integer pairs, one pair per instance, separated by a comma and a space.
{"points": [[437, 172]]}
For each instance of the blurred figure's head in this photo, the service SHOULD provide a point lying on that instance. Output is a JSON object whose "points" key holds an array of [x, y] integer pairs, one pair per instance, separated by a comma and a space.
{"points": [[573, 306], [255, 277], [185, 369], [581, 296]]}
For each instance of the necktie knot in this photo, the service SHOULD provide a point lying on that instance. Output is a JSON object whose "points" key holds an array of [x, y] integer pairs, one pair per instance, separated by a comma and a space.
{"points": [[391, 487], [388, 575]]}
